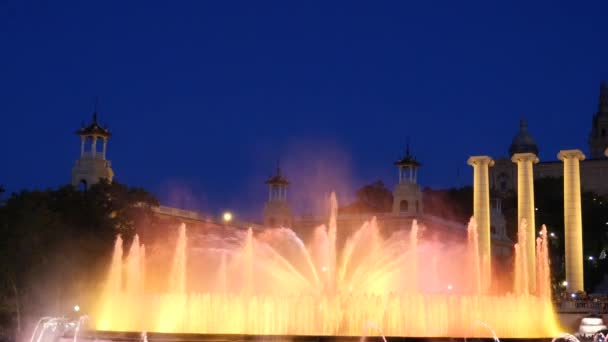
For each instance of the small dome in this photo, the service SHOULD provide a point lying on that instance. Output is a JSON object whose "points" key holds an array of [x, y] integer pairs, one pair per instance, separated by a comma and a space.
{"points": [[523, 141], [408, 159], [94, 129], [277, 179]]}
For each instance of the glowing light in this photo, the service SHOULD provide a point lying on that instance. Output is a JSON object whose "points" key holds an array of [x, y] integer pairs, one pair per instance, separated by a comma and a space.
{"points": [[552, 234], [564, 283], [590, 258], [76, 308], [271, 283], [573, 295], [227, 217]]}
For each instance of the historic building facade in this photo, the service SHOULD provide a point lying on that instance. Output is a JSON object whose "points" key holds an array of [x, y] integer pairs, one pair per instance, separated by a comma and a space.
{"points": [[407, 207], [593, 170], [92, 166]]}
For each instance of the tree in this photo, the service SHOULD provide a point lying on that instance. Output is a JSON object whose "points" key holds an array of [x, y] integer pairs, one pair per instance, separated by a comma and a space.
{"points": [[56, 241], [372, 198], [454, 204]]}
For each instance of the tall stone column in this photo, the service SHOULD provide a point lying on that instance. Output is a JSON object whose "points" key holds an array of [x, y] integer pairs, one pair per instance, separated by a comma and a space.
{"points": [[525, 209], [82, 141], [94, 147], [105, 145], [573, 223], [481, 212]]}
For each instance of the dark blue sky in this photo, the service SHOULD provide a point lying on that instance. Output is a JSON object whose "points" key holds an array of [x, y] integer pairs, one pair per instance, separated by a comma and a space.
{"points": [[202, 98]]}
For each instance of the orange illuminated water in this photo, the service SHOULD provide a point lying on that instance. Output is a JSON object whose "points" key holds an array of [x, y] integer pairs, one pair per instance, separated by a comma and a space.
{"points": [[273, 284]]}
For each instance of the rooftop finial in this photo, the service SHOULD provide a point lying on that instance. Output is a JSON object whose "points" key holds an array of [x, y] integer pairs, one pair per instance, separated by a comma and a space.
{"points": [[95, 109], [523, 126], [407, 147], [278, 166]]}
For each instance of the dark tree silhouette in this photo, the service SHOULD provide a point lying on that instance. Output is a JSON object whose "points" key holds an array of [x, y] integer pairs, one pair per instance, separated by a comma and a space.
{"points": [[56, 242], [372, 198]]}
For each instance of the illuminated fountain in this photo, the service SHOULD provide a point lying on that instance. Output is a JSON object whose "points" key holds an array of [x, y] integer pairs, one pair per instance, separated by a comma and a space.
{"points": [[271, 283]]}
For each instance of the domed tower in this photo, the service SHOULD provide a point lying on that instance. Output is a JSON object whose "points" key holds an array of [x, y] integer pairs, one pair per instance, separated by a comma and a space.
{"points": [[523, 141], [92, 165], [276, 211], [407, 198], [598, 139]]}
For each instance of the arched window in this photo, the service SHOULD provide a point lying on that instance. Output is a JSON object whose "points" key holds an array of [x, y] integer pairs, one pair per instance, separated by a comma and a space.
{"points": [[417, 207], [82, 186], [403, 206]]}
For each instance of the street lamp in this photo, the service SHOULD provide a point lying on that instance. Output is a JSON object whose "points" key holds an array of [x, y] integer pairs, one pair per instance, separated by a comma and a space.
{"points": [[227, 216]]}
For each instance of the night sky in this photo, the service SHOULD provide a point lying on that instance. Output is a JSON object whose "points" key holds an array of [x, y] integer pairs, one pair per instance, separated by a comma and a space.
{"points": [[203, 98]]}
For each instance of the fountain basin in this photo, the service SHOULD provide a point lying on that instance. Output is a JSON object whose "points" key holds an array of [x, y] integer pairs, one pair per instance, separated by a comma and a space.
{"points": [[100, 336]]}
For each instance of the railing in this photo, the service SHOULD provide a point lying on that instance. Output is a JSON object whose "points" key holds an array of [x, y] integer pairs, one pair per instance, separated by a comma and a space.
{"points": [[182, 213], [194, 215], [89, 154], [583, 306]]}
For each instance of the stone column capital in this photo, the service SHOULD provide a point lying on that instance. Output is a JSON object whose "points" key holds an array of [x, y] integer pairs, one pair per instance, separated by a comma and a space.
{"points": [[480, 160], [570, 154], [523, 157]]}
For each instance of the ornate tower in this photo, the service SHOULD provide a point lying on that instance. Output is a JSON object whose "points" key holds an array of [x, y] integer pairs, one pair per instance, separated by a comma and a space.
{"points": [[276, 211], [407, 199], [524, 153], [92, 164], [598, 139]]}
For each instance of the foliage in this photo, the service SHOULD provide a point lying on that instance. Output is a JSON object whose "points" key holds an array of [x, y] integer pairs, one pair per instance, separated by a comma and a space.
{"points": [[54, 240], [455, 204], [372, 198]]}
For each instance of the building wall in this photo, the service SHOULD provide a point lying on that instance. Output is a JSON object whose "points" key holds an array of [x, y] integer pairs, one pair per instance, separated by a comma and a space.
{"points": [[594, 174]]}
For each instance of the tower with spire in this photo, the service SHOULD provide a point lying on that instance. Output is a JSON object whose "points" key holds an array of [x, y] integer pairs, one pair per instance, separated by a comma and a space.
{"points": [[276, 210], [598, 139], [407, 198], [92, 164]]}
